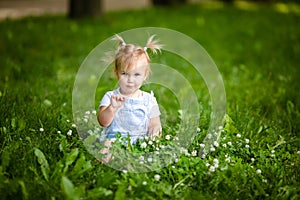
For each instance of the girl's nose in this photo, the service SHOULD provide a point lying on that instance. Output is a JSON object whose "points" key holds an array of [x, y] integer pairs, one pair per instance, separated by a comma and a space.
{"points": [[129, 79]]}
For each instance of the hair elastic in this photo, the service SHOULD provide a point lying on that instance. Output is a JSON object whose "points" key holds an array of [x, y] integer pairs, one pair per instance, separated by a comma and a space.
{"points": [[123, 44], [145, 48]]}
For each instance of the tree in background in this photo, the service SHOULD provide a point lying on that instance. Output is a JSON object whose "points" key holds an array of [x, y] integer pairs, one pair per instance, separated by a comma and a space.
{"points": [[85, 8], [167, 2]]}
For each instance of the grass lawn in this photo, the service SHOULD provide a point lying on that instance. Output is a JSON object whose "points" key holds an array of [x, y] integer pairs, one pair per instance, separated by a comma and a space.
{"points": [[256, 49]]}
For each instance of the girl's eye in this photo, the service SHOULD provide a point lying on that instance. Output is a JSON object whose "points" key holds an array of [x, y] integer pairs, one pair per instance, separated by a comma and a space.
{"points": [[137, 74], [123, 73]]}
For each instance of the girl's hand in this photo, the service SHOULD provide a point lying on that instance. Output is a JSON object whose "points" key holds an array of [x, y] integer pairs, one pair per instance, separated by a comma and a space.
{"points": [[106, 113], [117, 101], [155, 129], [155, 133]]}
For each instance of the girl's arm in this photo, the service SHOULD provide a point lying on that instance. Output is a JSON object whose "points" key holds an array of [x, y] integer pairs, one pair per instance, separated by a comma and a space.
{"points": [[155, 127], [107, 113]]}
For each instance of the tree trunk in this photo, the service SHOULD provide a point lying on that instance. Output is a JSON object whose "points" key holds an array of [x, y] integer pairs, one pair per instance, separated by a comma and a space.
{"points": [[167, 2], [85, 8]]}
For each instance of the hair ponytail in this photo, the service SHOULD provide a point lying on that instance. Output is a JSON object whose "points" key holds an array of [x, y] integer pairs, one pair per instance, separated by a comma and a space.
{"points": [[120, 40], [153, 45]]}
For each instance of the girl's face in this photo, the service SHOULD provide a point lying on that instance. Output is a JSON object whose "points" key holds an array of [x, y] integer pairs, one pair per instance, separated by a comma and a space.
{"points": [[131, 81]]}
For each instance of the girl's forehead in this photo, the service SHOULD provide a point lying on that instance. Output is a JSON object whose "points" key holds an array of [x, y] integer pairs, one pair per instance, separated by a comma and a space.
{"points": [[136, 68], [140, 64]]}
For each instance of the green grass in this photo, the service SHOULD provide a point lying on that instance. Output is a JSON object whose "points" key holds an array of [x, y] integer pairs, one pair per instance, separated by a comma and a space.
{"points": [[257, 52]]}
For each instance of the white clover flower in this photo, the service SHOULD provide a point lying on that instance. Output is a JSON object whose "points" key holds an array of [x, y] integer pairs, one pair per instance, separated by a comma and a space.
{"points": [[202, 145], [298, 152], [168, 137], [150, 159], [247, 141], [125, 171], [216, 161], [194, 153], [247, 146], [252, 159], [216, 165], [212, 169], [229, 143], [59, 132], [144, 183], [207, 164], [220, 127], [94, 112], [258, 171], [85, 120], [162, 146], [212, 149], [156, 177], [146, 138], [238, 135], [183, 150], [176, 138], [265, 181], [173, 166], [144, 145], [150, 142], [209, 136], [198, 129], [224, 145], [42, 129], [176, 160], [228, 159], [68, 120], [157, 148], [157, 152], [216, 144], [273, 151], [74, 125], [142, 158], [69, 133], [88, 112]]}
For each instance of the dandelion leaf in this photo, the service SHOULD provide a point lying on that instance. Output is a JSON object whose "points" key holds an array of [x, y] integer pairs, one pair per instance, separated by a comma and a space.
{"points": [[43, 162], [70, 158], [81, 166], [68, 189]]}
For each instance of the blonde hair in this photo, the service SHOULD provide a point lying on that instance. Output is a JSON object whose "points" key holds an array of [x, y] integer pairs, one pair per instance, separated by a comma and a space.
{"points": [[128, 54]]}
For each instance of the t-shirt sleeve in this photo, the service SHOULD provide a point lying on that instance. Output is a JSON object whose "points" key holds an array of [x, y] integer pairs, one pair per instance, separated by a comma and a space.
{"points": [[154, 110], [106, 99]]}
